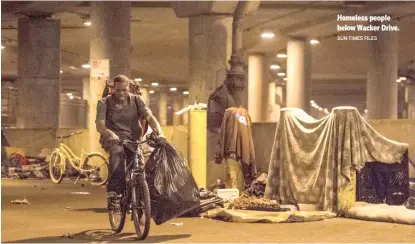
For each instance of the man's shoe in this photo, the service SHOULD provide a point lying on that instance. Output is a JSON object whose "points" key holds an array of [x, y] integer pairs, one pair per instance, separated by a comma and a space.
{"points": [[114, 201]]}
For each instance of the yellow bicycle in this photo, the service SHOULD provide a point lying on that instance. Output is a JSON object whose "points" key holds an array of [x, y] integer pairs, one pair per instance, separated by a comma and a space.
{"points": [[94, 165]]}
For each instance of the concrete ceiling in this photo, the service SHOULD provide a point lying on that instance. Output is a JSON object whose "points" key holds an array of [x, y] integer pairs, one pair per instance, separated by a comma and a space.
{"points": [[160, 39]]}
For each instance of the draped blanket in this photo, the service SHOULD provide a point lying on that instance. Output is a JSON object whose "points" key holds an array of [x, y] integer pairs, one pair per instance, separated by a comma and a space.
{"points": [[312, 160]]}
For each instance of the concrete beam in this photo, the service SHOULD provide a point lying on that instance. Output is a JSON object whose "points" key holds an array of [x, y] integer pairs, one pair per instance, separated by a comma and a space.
{"points": [[193, 8], [300, 5], [24, 8]]}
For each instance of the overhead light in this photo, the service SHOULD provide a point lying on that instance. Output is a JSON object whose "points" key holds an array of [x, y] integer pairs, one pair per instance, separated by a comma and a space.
{"points": [[281, 74], [267, 35], [86, 66], [326, 111], [314, 41], [282, 55], [151, 91], [69, 94], [275, 66], [285, 78], [186, 92], [398, 80], [71, 97], [402, 78], [61, 71], [138, 79], [154, 84], [366, 111], [320, 108], [312, 102], [87, 23], [3, 47], [173, 89], [72, 67]]}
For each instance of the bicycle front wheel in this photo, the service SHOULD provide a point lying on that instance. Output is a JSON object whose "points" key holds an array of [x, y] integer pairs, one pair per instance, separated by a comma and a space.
{"points": [[97, 169], [141, 209], [56, 167], [117, 217]]}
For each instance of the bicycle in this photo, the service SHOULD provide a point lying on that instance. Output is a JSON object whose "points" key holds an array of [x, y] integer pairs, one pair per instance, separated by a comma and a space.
{"points": [[94, 165], [136, 195]]}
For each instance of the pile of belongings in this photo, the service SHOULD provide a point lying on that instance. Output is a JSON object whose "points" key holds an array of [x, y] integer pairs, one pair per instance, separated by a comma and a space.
{"points": [[246, 202], [208, 201], [23, 167], [257, 187]]}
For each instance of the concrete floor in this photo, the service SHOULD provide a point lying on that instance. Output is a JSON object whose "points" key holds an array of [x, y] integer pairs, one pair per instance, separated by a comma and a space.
{"points": [[54, 211]]}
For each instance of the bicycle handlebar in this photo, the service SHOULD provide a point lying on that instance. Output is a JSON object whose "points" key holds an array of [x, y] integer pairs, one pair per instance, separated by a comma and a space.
{"points": [[72, 134], [134, 143]]}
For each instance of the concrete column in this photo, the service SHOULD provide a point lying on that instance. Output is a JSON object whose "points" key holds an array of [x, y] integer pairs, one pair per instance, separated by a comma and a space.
{"points": [[39, 73], [145, 94], [299, 74], [110, 39], [85, 89], [258, 85], [272, 106], [410, 100], [163, 108], [185, 115], [382, 91], [279, 101], [210, 39], [177, 119]]}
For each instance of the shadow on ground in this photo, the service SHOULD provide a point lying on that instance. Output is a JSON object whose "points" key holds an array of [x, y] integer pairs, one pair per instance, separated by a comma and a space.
{"points": [[95, 210], [101, 235]]}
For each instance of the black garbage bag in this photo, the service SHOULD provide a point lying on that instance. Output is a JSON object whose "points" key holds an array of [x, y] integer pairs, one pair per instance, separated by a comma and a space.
{"points": [[173, 190]]}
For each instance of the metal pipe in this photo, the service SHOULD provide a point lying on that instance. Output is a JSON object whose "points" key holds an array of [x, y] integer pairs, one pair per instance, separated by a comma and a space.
{"points": [[237, 23], [235, 78]]}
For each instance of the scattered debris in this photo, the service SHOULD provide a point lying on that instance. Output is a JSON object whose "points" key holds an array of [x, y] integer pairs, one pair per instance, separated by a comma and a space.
{"points": [[34, 185], [246, 202], [67, 235], [80, 193], [68, 208], [43, 188], [177, 224], [20, 201], [82, 185]]}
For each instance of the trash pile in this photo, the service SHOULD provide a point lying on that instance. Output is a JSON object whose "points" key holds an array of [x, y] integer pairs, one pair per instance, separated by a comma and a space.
{"points": [[22, 167]]}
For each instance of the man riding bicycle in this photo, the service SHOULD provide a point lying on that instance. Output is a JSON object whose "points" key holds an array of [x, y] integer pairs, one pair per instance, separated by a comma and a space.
{"points": [[118, 118]]}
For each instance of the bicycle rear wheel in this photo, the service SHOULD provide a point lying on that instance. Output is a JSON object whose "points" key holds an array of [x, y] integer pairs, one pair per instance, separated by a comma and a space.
{"points": [[117, 217], [141, 210], [56, 167], [98, 167]]}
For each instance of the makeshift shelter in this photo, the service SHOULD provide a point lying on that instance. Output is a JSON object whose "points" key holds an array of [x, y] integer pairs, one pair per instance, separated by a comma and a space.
{"points": [[314, 162]]}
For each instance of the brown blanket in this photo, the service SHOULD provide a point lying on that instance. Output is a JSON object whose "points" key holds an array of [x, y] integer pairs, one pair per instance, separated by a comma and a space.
{"points": [[236, 137]]}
